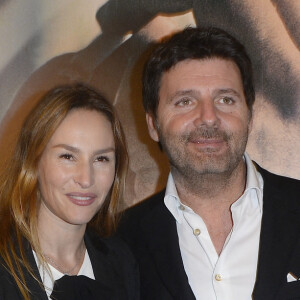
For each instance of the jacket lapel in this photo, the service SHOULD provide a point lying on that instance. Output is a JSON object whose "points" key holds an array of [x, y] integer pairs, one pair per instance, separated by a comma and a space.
{"points": [[36, 290], [98, 253], [280, 232], [164, 247]]}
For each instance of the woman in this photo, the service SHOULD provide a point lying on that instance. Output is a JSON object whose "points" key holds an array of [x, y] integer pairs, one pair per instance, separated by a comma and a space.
{"points": [[66, 176]]}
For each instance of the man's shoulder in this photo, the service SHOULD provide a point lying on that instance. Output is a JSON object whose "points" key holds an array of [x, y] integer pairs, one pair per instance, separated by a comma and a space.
{"points": [[146, 206], [133, 216], [279, 191], [278, 181]]}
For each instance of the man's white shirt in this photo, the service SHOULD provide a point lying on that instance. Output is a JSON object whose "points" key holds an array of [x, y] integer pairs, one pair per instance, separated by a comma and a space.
{"points": [[230, 276]]}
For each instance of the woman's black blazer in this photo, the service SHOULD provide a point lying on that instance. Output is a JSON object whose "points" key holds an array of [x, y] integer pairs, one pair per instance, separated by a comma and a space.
{"points": [[113, 265]]}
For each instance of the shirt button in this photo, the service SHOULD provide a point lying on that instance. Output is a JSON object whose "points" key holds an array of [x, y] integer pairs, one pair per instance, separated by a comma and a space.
{"points": [[218, 277], [181, 207], [197, 231]]}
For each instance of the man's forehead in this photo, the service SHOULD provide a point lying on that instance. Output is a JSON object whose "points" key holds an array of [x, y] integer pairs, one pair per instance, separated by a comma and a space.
{"points": [[193, 71]]}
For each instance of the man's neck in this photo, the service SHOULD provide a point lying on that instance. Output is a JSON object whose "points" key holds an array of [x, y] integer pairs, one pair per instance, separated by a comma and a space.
{"points": [[211, 196], [211, 189]]}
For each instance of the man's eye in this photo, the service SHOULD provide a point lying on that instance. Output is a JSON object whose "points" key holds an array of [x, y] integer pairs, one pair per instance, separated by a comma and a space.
{"points": [[67, 156], [226, 100], [183, 102]]}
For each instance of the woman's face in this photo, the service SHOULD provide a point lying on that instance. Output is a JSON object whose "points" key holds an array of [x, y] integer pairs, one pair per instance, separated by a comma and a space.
{"points": [[77, 168]]}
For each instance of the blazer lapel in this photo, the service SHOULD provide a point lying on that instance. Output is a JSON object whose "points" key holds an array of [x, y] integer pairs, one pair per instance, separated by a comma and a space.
{"points": [[98, 253], [165, 251], [280, 232], [36, 290]]}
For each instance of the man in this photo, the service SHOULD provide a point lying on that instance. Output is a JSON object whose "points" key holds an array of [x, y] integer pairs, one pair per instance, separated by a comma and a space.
{"points": [[224, 228]]}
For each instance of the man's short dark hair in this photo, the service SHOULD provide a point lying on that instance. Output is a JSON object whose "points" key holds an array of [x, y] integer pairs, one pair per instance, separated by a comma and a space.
{"points": [[194, 43]]}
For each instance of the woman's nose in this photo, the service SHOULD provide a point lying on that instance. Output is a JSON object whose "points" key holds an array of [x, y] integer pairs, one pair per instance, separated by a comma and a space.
{"points": [[84, 175]]}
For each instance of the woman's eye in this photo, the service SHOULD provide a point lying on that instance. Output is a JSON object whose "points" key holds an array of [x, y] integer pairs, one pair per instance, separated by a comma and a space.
{"points": [[102, 158], [67, 156]]}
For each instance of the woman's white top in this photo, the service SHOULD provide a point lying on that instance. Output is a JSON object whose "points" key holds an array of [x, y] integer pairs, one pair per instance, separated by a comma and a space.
{"points": [[48, 281]]}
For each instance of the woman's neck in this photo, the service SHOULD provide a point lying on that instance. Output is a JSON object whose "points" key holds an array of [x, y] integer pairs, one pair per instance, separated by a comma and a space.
{"points": [[60, 241]]}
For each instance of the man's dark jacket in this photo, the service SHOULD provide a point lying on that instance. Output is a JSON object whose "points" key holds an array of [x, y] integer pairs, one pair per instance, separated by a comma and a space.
{"points": [[150, 230]]}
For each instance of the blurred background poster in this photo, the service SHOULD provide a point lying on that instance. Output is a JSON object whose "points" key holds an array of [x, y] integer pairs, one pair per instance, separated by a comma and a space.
{"points": [[103, 43]]}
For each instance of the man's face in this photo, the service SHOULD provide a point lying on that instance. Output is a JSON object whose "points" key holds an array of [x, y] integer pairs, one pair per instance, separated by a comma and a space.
{"points": [[202, 117]]}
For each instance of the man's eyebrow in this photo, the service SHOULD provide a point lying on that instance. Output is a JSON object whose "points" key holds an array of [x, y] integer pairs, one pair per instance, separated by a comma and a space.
{"points": [[183, 93], [196, 93], [76, 150], [228, 91]]}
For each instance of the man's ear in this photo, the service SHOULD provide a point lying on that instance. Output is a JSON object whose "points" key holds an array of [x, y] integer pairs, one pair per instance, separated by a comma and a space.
{"points": [[150, 119]]}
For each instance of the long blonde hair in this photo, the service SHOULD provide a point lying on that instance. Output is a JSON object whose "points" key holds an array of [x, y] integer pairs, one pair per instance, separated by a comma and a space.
{"points": [[19, 191]]}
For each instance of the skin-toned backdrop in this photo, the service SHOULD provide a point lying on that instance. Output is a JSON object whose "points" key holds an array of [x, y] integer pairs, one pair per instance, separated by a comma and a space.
{"points": [[108, 52]]}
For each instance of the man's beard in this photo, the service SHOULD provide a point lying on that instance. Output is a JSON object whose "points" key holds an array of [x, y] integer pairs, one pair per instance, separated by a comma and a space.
{"points": [[206, 162]]}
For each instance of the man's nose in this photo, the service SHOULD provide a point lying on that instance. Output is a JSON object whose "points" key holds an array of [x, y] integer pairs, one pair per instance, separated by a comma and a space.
{"points": [[206, 114]]}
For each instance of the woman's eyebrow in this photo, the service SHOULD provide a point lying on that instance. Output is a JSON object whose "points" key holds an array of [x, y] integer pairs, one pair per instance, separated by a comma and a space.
{"points": [[67, 147], [105, 150], [76, 150]]}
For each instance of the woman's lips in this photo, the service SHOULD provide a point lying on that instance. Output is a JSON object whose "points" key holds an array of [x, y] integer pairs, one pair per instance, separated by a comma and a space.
{"points": [[82, 199]]}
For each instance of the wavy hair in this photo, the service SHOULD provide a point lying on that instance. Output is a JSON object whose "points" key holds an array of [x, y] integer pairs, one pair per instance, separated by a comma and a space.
{"points": [[194, 43], [19, 189]]}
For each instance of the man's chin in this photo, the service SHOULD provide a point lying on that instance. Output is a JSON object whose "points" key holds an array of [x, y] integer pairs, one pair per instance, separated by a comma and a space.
{"points": [[212, 163], [211, 169]]}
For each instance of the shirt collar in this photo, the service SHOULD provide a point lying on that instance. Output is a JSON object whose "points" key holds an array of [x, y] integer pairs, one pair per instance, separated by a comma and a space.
{"points": [[171, 199], [254, 182]]}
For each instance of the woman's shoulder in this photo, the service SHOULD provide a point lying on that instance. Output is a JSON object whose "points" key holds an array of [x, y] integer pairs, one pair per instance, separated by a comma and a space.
{"points": [[8, 286], [5, 275]]}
